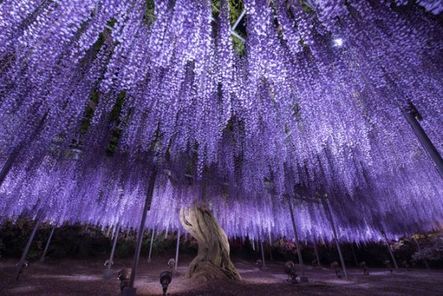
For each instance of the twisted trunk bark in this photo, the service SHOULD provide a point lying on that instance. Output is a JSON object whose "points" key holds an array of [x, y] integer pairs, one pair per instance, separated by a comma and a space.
{"points": [[212, 261]]}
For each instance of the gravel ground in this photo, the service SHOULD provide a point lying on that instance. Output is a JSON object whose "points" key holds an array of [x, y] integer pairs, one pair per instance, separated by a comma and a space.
{"points": [[77, 277]]}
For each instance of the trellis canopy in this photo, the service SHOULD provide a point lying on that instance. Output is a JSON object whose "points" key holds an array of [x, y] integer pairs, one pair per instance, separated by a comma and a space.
{"points": [[237, 104]]}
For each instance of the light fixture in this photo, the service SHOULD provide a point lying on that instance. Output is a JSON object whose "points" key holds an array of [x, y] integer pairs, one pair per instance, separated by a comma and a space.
{"points": [[165, 280], [338, 42]]}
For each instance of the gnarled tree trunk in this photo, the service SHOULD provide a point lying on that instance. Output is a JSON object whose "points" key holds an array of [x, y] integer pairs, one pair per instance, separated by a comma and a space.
{"points": [[212, 261]]}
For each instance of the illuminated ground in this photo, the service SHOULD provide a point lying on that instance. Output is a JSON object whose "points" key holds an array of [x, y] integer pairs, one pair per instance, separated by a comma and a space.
{"points": [[85, 278]]}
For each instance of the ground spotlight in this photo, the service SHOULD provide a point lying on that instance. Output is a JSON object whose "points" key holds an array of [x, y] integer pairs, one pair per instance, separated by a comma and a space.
{"points": [[165, 280]]}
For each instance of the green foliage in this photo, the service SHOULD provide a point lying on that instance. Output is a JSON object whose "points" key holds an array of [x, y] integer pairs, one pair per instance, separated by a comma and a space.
{"points": [[94, 97], [81, 242], [115, 118], [89, 112], [239, 46], [14, 238], [431, 249], [124, 249], [306, 7], [162, 245], [149, 16], [235, 9], [215, 5]]}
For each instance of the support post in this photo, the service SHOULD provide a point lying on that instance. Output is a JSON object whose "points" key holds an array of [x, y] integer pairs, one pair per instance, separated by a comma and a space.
{"points": [[177, 249], [354, 255], [166, 232], [297, 243], [114, 244], [242, 14], [262, 254], [390, 251], [108, 232], [334, 231], [8, 163], [22, 263], [253, 245], [108, 263], [42, 258], [419, 249], [411, 114], [270, 246], [130, 290], [150, 245], [316, 253]]}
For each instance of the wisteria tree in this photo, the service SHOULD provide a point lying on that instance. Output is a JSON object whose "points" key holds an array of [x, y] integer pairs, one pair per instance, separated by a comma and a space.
{"points": [[249, 101]]}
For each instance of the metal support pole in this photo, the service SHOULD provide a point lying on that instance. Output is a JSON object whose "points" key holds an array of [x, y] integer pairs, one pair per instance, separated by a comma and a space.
{"points": [[270, 247], [242, 14], [316, 253], [297, 243], [108, 232], [334, 231], [130, 290], [253, 245], [390, 251], [166, 232], [150, 245], [419, 249], [114, 244], [177, 249], [22, 262], [262, 254], [8, 163], [411, 115], [42, 258], [354, 255]]}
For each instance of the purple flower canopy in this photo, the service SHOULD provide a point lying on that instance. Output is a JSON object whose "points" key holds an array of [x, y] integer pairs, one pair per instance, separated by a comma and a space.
{"points": [[94, 93]]}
